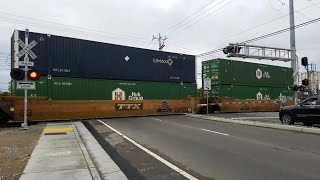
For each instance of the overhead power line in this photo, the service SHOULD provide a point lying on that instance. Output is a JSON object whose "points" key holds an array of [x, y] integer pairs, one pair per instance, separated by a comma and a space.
{"points": [[281, 2], [71, 26], [272, 7], [191, 22], [190, 25], [260, 25], [188, 50], [266, 36], [298, 12], [180, 22], [282, 31], [67, 29], [310, 1]]}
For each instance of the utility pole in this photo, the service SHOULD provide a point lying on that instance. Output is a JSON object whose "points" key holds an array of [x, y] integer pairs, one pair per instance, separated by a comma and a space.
{"points": [[294, 60], [160, 40]]}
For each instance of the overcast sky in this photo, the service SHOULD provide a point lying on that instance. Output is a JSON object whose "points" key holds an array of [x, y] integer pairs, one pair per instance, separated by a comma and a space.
{"points": [[133, 23]]}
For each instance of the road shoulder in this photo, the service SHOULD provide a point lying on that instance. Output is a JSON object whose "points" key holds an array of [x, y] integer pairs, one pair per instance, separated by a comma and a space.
{"points": [[16, 146]]}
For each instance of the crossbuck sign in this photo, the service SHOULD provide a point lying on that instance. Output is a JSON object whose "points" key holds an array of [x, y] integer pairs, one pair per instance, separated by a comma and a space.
{"points": [[26, 49]]}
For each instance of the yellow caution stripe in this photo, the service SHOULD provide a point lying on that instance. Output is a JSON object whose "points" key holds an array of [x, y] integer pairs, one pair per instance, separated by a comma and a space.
{"points": [[50, 129]]}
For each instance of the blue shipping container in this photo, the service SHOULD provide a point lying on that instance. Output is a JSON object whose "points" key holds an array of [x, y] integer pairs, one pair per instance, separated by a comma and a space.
{"points": [[68, 57]]}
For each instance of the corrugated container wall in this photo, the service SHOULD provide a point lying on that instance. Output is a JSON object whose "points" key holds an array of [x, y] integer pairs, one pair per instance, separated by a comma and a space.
{"points": [[69, 57], [245, 80], [222, 71], [63, 88], [218, 71], [250, 92], [245, 73]]}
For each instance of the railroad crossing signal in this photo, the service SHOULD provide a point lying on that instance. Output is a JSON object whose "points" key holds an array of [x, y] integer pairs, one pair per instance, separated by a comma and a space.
{"points": [[231, 49], [27, 49], [19, 74], [25, 74], [243, 50]]}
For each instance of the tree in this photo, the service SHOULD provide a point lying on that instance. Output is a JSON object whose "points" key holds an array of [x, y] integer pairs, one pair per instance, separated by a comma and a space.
{"points": [[10, 87], [200, 92], [6, 93]]}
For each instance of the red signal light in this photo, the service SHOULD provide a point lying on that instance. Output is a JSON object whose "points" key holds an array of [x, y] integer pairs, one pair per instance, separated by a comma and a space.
{"points": [[17, 74], [33, 74], [302, 88]]}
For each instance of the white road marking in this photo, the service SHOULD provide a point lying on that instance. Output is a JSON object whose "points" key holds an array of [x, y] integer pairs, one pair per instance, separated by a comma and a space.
{"points": [[215, 132], [156, 119], [254, 118], [167, 163]]}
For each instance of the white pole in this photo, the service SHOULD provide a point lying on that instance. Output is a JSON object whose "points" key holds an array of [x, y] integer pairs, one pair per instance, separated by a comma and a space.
{"points": [[207, 101], [25, 122]]}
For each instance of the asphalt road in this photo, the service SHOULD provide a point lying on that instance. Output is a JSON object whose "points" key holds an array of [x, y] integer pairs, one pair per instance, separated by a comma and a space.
{"points": [[220, 150]]}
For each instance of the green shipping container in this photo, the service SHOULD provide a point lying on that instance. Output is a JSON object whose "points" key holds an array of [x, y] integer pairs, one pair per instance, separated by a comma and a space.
{"points": [[223, 71], [218, 71], [250, 92], [62, 88]]}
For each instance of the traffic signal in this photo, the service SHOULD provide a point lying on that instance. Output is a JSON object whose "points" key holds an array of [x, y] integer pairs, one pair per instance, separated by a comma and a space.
{"points": [[17, 74], [33, 75], [231, 49], [225, 50], [304, 61], [305, 82], [295, 88]]}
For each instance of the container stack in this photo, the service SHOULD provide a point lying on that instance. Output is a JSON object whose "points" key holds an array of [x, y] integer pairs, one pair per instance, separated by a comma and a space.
{"points": [[243, 80], [75, 69]]}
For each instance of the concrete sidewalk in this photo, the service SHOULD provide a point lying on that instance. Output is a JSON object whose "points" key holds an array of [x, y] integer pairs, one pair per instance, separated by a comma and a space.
{"points": [[62, 154], [312, 130]]}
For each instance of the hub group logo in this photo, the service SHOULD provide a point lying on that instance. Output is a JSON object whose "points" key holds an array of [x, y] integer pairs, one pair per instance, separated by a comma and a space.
{"points": [[118, 94], [260, 74]]}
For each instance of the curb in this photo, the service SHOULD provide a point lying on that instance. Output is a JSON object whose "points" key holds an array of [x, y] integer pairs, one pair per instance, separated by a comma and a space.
{"points": [[92, 168], [106, 167], [259, 124], [97, 118]]}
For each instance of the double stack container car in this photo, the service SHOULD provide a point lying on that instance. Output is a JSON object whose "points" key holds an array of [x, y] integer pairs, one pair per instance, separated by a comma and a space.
{"points": [[244, 80], [76, 69]]}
